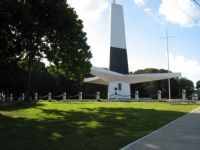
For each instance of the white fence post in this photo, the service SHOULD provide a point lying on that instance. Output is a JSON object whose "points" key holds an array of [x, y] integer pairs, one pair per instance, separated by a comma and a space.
{"points": [[159, 95], [64, 96], [49, 96], [11, 97], [183, 94], [98, 95], [35, 96], [80, 96], [136, 95], [23, 97], [116, 95], [3, 97]]}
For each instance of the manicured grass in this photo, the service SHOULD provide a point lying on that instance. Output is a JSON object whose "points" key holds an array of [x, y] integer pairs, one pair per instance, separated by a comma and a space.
{"points": [[82, 126]]}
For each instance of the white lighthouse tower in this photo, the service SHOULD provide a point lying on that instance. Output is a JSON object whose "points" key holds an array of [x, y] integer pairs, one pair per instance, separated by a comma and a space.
{"points": [[118, 53], [117, 78]]}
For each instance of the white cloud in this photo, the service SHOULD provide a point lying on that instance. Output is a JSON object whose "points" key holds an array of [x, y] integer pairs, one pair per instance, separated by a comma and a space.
{"points": [[148, 11], [139, 2], [154, 15], [96, 27], [189, 68], [89, 10], [182, 12]]}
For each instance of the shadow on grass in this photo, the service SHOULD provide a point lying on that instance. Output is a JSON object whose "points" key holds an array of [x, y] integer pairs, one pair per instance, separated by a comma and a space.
{"points": [[90, 129], [18, 105]]}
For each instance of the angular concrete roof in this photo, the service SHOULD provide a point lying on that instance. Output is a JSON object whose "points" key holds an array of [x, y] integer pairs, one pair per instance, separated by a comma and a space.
{"points": [[104, 76]]}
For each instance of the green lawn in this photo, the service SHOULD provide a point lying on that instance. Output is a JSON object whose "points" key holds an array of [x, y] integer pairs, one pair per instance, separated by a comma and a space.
{"points": [[83, 126]]}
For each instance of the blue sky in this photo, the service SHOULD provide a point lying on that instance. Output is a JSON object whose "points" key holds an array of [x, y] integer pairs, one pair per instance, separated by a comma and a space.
{"points": [[145, 22]]}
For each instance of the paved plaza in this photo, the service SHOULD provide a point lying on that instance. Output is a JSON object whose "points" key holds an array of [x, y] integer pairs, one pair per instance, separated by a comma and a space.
{"points": [[181, 134]]}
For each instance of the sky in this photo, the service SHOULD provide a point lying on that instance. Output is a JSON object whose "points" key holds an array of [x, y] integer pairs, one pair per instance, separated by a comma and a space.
{"points": [[145, 22]]}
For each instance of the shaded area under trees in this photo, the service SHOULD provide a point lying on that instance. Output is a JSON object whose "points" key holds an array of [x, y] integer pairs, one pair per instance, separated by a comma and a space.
{"points": [[31, 30]]}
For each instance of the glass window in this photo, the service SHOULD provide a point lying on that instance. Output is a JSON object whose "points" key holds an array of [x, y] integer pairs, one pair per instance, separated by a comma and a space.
{"points": [[119, 86]]}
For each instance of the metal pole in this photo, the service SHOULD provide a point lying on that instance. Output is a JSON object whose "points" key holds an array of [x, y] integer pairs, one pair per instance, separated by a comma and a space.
{"points": [[169, 87], [167, 37]]}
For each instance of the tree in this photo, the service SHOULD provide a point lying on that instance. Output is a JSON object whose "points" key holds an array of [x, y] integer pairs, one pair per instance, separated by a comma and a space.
{"points": [[35, 29], [198, 85], [150, 89], [11, 77], [186, 84]]}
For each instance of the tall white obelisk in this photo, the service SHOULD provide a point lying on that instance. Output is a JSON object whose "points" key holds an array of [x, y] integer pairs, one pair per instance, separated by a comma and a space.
{"points": [[118, 53], [117, 77]]}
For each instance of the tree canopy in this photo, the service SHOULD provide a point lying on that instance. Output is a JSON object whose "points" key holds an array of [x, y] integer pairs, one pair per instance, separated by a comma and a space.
{"points": [[198, 84], [31, 30], [150, 89]]}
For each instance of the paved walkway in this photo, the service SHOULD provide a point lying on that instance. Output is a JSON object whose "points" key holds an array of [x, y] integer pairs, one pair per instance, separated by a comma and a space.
{"points": [[181, 134]]}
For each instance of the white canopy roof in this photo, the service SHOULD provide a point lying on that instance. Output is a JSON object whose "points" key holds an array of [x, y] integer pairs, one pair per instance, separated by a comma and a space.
{"points": [[104, 76]]}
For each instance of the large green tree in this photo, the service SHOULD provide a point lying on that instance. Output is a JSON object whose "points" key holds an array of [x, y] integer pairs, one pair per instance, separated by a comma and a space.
{"points": [[35, 29], [198, 85], [186, 84]]}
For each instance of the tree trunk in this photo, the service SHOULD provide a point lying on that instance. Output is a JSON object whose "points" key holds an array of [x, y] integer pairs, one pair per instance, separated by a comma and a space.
{"points": [[28, 91]]}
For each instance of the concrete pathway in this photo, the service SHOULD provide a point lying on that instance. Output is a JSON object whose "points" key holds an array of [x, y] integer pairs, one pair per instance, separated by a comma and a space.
{"points": [[181, 134]]}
